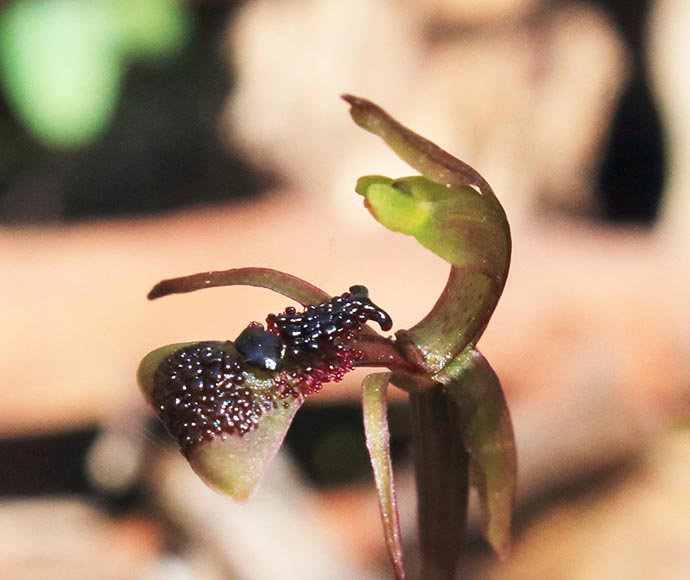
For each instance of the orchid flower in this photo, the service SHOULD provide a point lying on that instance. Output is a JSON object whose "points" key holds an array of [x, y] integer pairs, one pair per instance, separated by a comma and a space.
{"points": [[229, 404]]}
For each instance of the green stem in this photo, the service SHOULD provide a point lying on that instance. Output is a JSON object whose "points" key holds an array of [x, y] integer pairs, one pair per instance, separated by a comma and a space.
{"points": [[457, 319], [442, 474]]}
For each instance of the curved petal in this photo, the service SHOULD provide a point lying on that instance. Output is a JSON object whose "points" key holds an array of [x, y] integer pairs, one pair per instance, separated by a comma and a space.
{"points": [[420, 153], [452, 211], [286, 284]]}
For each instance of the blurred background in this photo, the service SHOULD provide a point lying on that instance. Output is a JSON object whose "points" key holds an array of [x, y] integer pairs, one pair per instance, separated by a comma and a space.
{"points": [[147, 139]]}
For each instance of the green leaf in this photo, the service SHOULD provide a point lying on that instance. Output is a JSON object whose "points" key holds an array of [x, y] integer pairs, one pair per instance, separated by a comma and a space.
{"points": [[442, 471], [487, 433], [452, 211], [59, 68], [374, 405]]}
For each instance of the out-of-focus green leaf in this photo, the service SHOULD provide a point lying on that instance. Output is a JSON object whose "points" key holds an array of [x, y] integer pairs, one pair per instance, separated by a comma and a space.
{"points": [[62, 61], [453, 212], [60, 71], [441, 470], [487, 433], [286, 284], [151, 28], [375, 407]]}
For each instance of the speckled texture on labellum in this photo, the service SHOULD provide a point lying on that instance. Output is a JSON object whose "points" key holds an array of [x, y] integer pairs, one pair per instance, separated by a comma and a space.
{"points": [[223, 400], [230, 403]]}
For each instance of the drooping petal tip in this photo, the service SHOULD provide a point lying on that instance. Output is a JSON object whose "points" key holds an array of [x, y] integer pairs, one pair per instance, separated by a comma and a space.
{"points": [[234, 465]]}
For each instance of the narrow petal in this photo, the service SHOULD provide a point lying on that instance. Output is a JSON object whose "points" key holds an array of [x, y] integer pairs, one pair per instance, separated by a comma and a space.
{"points": [[487, 434], [286, 284], [421, 154], [374, 390]]}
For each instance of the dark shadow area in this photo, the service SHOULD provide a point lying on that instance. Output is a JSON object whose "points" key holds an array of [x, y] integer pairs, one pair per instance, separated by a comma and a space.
{"points": [[633, 169]]}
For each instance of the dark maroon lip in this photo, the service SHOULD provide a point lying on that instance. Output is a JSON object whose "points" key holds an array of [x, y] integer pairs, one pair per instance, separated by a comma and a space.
{"points": [[209, 389]]}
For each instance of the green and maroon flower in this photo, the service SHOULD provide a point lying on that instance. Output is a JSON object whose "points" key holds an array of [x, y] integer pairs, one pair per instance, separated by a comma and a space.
{"points": [[229, 404]]}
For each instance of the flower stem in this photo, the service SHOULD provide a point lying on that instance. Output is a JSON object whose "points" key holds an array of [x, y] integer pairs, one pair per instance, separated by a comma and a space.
{"points": [[442, 474]]}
